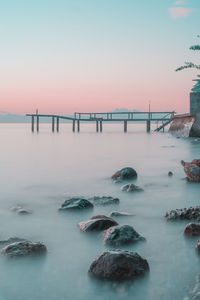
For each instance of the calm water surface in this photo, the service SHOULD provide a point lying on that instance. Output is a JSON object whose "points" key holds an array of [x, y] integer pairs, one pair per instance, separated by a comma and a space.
{"points": [[38, 171]]}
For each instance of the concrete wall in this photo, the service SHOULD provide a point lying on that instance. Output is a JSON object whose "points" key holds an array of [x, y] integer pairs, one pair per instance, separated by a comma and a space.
{"points": [[194, 103]]}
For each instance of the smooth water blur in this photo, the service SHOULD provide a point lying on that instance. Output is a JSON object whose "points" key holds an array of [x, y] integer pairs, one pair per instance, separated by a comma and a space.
{"points": [[38, 172]]}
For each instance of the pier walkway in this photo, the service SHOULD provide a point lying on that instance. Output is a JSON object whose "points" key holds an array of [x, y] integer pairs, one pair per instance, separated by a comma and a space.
{"points": [[162, 119]]}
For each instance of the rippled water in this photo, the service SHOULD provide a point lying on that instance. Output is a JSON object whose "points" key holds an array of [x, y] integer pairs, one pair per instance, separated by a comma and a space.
{"points": [[38, 171]]}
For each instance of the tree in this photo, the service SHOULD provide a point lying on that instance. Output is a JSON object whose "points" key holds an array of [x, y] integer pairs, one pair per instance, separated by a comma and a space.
{"points": [[189, 65]]}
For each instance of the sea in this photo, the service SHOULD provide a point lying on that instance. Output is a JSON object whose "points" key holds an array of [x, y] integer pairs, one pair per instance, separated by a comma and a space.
{"points": [[38, 171]]}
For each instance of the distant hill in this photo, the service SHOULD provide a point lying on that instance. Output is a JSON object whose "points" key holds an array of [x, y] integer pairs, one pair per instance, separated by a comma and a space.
{"points": [[6, 117]]}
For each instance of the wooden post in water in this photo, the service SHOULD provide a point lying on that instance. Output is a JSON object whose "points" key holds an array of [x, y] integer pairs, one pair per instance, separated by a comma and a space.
{"points": [[148, 125], [37, 123], [32, 124], [97, 126], [57, 124], [73, 125], [101, 126], [53, 124], [78, 125], [125, 125]]}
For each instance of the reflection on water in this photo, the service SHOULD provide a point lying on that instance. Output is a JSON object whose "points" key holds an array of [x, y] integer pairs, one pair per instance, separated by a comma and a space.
{"points": [[38, 171]]}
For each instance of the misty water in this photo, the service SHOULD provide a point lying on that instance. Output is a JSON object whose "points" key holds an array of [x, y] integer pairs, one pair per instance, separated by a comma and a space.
{"points": [[39, 171]]}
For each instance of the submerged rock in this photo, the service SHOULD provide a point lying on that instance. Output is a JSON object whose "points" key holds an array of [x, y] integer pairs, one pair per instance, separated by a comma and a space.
{"points": [[194, 293], [197, 247], [118, 265], [21, 211], [76, 203], [130, 188], [192, 229], [99, 222], [105, 200], [191, 213], [192, 170], [24, 249], [124, 174], [120, 235], [120, 214]]}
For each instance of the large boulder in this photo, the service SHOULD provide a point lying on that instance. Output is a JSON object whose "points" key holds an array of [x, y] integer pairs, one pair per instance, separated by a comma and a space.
{"points": [[76, 203], [120, 235], [125, 174], [191, 213], [99, 222], [192, 170], [192, 229], [24, 249], [118, 265], [130, 188], [105, 200]]}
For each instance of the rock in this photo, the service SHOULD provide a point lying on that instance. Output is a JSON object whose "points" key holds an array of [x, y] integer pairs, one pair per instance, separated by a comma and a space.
{"points": [[125, 173], [76, 203], [100, 222], [120, 235], [192, 229], [24, 249], [196, 162], [130, 188], [118, 265], [104, 200], [192, 170], [198, 246], [170, 174], [191, 213], [15, 208], [11, 240], [118, 181], [21, 211], [120, 214]]}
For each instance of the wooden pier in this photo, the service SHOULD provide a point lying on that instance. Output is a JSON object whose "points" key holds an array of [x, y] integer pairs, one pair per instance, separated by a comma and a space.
{"points": [[162, 119]]}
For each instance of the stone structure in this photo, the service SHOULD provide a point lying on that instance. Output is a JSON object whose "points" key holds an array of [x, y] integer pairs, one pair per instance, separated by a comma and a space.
{"points": [[194, 103], [188, 125]]}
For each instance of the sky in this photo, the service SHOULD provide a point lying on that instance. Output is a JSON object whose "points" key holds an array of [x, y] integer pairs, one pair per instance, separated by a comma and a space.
{"points": [[62, 56]]}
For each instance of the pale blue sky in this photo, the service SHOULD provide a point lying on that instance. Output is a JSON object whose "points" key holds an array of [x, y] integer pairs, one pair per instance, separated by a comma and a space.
{"points": [[68, 54]]}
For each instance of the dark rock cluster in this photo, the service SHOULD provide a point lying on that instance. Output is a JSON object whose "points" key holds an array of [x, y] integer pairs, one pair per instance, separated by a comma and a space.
{"points": [[191, 213]]}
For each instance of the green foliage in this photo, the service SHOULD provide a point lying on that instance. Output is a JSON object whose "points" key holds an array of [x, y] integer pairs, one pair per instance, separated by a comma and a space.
{"points": [[190, 65]]}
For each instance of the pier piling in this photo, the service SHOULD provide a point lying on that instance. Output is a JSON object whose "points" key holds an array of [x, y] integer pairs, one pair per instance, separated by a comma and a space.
{"points": [[101, 126], [53, 124], [97, 126], [78, 125], [32, 124], [73, 125], [148, 125], [57, 124], [125, 125], [37, 123]]}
